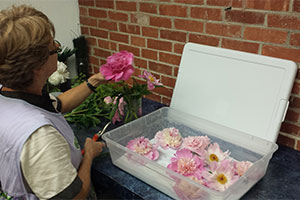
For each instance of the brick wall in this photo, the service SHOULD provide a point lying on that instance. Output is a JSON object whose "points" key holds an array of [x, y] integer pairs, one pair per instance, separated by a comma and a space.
{"points": [[156, 31]]}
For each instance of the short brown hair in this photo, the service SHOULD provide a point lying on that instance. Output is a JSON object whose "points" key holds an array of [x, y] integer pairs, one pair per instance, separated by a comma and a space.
{"points": [[25, 35]]}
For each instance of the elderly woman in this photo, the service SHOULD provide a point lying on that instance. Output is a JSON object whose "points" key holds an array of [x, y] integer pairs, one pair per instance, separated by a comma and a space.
{"points": [[39, 158]]}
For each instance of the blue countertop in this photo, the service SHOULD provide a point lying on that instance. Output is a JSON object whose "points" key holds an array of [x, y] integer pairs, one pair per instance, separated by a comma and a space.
{"points": [[281, 180]]}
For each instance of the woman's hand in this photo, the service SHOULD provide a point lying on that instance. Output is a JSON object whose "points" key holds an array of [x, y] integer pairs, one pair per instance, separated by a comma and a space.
{"points": [[97, 79], [92, 148]]}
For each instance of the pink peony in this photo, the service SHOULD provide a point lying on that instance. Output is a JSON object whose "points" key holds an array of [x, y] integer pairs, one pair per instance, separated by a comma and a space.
{"points": [[186, 163], [151, 80], [120, 111], [242, 167], [215, 154], [221, 175], [118, 66], [168, 138], [143, 147], [196, 144]]}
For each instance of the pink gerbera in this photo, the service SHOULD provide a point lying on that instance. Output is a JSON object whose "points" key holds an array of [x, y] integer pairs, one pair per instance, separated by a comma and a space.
{"points": [[221, 175], [196, 144], [168, 138], [151, 80], [118, 66], [186, 163], [142, 146]]}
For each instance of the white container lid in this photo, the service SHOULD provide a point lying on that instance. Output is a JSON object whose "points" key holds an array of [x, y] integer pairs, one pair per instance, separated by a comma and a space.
{"points": [[243, 91]]}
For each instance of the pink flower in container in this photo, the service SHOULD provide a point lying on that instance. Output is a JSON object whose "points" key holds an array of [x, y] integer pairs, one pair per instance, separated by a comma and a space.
{"points": [[142, 146], [221, 175], [215, 154], [168, 138], [151, 80], [196, 144], [186, 163], [242, 166], [118, 66], [119, 114]]}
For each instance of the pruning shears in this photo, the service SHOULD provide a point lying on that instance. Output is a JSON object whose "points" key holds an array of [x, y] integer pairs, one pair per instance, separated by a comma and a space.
{"points": [[98, 135]]}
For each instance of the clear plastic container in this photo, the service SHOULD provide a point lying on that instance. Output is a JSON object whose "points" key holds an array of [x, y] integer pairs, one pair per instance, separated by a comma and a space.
{"points": [[243, 147]]}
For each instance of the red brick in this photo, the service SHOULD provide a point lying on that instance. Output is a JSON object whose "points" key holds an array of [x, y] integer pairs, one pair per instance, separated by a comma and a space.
{"points": [[154, 97], [109, 25], [206, 13], [204, 39], [150, 32], [160, 22], [295, 39], [292, 116], [178, 48], [290, 128], [281, 52], [240, 45], [83, 11], [286, 141], [233, 3], [97, 13], [101, 53], [166, 101], [91, 41], [105, 44], [128, 28], [164, 91], [296, 8], [134, 50], [173, 35], [84, 30], [150, 54], [126, 5], [88, 21], [296, 88], [118, 16], [189, 25], [93, 60], [298, 74], [284, 21], [195, 2], [138, 41], [176, 71], [140, 63], [160, 68], [298, 145], [168, 81], [159, 45], [119, 37], [105, 3], [169, 58], [148, 8], [245, 17], [99, 33], [294, 102], [224, 30], [86, 2], [276, 5], [172, 10], [265, 35]]}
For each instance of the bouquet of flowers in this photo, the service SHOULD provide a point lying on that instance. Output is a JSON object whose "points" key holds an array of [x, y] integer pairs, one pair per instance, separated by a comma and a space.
{"points": [[125, 99], [117, 100]]}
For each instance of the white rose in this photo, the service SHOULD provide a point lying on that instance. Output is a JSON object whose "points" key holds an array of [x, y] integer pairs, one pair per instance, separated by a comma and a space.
{"points": [[60, 75]]}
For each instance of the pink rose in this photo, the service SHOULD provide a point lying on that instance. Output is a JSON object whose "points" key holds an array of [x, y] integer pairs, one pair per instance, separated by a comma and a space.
{"points": [[142, 146], [108, 100], [118, 66]]}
